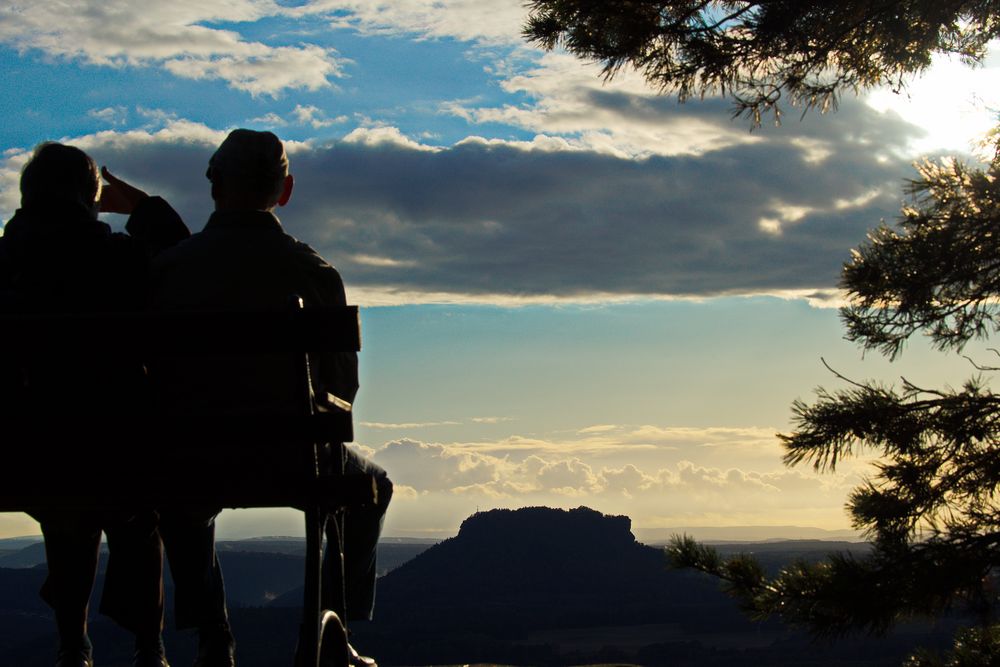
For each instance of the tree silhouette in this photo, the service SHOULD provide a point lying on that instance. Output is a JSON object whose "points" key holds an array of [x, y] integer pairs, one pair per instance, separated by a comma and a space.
{"points": [[931, 509], [756, 53]]}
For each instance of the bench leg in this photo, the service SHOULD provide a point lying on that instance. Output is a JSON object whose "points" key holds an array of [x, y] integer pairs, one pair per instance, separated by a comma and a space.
{"points": [[322, 636], [310, 632], [335, 595]]}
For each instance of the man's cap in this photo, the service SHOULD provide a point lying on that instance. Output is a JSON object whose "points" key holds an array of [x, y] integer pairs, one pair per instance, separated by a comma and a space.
{"points": [[250, 160]]}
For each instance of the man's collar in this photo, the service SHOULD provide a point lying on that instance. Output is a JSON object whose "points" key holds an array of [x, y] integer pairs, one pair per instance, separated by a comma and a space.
{"points": [[246, 219]]}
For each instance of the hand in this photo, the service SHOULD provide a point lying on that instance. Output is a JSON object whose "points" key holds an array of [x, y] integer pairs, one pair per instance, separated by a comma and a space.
{"points": [[117, 196]]}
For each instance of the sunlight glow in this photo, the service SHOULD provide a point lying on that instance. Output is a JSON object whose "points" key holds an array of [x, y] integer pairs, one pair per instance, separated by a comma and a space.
{"points": [[953, 103]]}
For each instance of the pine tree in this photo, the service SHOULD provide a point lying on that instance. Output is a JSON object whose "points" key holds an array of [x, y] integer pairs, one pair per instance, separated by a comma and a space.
{"points": [[931, 509], [757, 53]]}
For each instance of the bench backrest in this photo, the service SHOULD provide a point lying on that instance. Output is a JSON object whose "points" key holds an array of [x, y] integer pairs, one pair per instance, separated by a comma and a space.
{"points": [[64, 450]]}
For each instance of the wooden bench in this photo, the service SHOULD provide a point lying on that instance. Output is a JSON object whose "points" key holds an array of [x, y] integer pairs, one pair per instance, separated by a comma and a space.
{"points": [[60, 456]]}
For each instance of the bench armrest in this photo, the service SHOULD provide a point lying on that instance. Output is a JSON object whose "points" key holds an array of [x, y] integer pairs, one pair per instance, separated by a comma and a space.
{"points": [[328, 400]]}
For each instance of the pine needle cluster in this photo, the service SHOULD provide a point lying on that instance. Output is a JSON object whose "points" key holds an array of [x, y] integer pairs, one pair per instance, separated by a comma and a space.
{"points": [[766, 54]]}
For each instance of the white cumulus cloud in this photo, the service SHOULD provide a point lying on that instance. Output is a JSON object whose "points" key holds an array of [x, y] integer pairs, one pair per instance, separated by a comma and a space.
{"points": [[177, 36]]}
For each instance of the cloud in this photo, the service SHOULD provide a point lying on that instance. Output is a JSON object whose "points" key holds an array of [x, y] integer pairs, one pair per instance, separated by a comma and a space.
{"points": [[677, 476], [302, 114], [568, 477], [403, 426], [626, 480], [307, 114], [950, 108], [494, 22], [185, 37], [439, 484], [519, 446], [491, 420], [381, 135], [268, 120], [407, 425], [506, 221], [261, 69], [177, 36], [552, 476], [558, 219], [427, 466], [182, 146], [624, 117], [637, 443], [679, 436], [557, 93], [599, 428], [10, 179], [114, 116]]}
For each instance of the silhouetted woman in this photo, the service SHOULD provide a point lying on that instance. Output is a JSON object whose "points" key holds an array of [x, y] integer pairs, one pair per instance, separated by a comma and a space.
{"points": [[56, 256]]}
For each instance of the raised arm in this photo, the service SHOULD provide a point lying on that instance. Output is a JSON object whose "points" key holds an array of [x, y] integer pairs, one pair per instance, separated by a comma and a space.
{"points": [[152, 221]]}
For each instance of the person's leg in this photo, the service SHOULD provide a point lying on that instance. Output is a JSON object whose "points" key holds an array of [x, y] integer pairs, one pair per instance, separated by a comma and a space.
{"points": [[72, 546], [199, 589], [361, 528], [133, 586]]}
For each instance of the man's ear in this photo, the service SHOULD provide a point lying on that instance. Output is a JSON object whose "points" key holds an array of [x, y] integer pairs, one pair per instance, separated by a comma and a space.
{"points": [[286, 190]]}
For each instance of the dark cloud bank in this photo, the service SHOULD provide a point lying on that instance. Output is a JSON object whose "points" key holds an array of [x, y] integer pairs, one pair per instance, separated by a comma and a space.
{"points": [[496, 219]]}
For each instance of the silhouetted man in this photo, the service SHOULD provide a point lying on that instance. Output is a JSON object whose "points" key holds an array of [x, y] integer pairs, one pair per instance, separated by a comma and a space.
{"points": [[244, 259], [56, 256]]}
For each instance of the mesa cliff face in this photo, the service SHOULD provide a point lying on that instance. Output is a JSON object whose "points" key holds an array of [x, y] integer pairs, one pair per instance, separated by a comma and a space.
{"points": [[513, 571], [547, 526], [536, 552], [510, 575]]}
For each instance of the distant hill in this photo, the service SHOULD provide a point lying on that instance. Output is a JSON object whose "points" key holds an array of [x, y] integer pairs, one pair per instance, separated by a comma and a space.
{"points": [[537, 567], [535, 586], [18, 542], [392, 552], [509, 574], [278, 545], [775, 555], [755, 534], [539, 586], [29, 554]]}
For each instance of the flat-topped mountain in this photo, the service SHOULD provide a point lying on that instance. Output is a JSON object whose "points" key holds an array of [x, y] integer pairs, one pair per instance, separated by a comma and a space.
{"points": [[554, 556], [511, 574]]}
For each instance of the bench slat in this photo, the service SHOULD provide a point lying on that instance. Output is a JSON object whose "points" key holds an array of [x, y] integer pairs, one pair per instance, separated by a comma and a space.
{"points": [[334, 328]]}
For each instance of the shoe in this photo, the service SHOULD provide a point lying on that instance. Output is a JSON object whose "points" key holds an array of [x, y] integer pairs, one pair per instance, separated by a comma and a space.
{"points": [[216, 648], [355, 659], [77, 657], [150, 657]]}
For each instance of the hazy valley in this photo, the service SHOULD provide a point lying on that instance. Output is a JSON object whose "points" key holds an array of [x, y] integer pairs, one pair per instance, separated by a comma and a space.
{"points": [[534, 586]]}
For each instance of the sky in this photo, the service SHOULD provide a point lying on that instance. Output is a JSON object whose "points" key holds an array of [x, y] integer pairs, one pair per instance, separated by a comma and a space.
{"points": [[574, 292]]}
